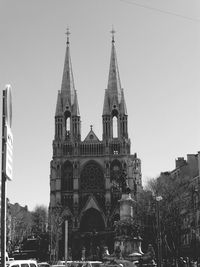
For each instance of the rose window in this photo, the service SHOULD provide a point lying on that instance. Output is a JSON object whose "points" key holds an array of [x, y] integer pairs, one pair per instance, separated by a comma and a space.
{"points": [[92, 177]]}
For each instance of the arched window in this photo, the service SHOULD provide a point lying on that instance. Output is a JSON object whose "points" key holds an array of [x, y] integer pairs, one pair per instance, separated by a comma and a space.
{"points": [[115, 128], [92, 178], [67, 119], [68, 124], [67, 176]]}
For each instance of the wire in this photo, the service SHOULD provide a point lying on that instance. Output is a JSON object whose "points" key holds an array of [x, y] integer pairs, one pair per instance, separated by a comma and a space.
{"points": [[161, 11]]}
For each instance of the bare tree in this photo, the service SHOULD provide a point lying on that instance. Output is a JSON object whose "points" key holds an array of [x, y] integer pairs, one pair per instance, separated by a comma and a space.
{"points": [[57, 216], [39, 220], [21, 224]]}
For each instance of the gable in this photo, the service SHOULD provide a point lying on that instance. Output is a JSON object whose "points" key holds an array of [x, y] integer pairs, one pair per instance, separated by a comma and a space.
{"points": [[91, 203], [91, 137]]}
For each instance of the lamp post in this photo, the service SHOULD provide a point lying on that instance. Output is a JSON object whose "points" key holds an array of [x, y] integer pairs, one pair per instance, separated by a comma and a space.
{"points": [[159, 240]]}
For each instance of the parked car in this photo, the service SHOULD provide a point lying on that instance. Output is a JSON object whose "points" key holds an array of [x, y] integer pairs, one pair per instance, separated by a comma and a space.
{"points": [[22, 263]]}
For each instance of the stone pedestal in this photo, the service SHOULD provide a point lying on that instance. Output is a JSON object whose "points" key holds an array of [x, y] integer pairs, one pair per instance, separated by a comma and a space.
{"points": [[137, 251], [127, 230]]}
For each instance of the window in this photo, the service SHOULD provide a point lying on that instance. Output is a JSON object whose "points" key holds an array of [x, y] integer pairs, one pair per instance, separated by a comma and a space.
{"points": [[115, 130], [67, 176], [92, 177], [67, 115], [68, 124]]}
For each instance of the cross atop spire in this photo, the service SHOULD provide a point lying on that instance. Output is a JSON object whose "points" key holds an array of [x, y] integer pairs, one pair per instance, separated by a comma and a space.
{"points": [[67, 33], [113, 34]]}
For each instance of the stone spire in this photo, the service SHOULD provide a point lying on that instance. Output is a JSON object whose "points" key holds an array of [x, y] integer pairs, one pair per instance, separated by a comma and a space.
{"points": [[67, 87], [76, 106], [59, 105], [114, 108], [67, 116], [114, 84], [106, 106], [123, 108], [113, 93]]}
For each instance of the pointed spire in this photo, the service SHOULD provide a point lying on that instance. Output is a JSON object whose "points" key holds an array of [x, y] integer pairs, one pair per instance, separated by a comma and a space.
{"points": [[123, 108], [76, 106], [59, 105], [106, 108], [114, 84], [67, 86]]}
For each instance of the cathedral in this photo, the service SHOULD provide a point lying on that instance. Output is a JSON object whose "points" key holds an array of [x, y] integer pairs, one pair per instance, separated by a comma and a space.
{"points": [[85, 173]]}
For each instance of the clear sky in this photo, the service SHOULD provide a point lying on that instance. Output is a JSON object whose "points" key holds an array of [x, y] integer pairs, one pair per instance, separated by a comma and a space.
{"points": [[158, 52]]}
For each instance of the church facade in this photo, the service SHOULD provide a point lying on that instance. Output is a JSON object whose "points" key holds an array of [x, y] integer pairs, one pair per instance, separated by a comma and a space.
{"points": [[85, 175]]}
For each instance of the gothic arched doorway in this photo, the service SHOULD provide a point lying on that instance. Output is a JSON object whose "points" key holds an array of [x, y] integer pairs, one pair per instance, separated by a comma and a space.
{"points": [[92, 227], [92, 221]]}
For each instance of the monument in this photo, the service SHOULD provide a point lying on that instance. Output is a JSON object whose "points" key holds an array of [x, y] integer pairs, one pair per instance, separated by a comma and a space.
{"points": [[127, 246], [127, 229]]}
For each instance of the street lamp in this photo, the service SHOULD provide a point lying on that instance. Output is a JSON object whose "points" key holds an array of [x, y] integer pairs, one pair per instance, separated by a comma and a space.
{"points": [[159, 240]]}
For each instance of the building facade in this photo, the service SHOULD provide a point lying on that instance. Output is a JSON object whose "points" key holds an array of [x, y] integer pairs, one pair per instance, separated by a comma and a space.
{"points": [[85, 174], [190, 211], [186, 175]]}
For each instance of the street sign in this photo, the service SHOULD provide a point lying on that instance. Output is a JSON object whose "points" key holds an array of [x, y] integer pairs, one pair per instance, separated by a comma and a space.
{"points": [[7, 137]]}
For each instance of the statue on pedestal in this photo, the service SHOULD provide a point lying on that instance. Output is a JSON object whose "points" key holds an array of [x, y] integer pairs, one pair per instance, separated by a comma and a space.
{"points": [[123, 183]]}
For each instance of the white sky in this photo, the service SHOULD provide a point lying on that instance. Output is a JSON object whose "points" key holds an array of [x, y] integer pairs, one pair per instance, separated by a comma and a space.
{"points": [[158, 51]]}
